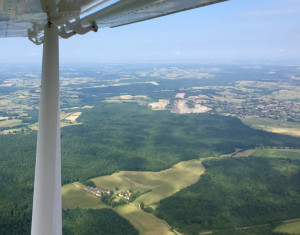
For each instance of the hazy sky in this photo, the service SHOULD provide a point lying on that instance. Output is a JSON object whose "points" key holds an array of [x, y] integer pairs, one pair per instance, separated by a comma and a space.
{"points": [[247, 30]]}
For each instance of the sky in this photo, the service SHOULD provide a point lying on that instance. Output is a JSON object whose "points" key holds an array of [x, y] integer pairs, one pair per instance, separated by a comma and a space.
{"points": [[236, 31]]}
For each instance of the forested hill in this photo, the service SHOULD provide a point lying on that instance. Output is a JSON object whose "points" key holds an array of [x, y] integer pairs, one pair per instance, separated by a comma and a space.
{"points": [[248, 192], [120, 137], [132, 137]]}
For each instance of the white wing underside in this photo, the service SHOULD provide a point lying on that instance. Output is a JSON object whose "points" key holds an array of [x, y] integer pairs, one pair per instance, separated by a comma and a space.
{"points": [[17, 18]]}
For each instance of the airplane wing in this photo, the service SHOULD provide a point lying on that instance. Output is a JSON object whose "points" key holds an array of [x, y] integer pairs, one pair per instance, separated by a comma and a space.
{"points": [[131, 11], [16, 17], [20, 18]]}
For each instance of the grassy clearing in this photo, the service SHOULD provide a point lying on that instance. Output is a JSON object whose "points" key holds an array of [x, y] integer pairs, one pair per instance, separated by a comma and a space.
{"points": [[162, 184], [289, 228], [145, 223], [73, 196], [277, 154], [287, 128]]}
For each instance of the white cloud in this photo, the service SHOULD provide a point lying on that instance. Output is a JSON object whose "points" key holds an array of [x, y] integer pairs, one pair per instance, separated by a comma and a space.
{"points": [[178, 52]]}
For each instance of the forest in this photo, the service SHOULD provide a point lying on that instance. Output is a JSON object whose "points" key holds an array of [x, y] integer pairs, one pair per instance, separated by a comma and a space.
{"points": [[96, 222], [116, 137], [235, 193]]}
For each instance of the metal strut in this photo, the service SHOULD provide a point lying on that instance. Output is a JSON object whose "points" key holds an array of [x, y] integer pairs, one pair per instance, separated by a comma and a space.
{"points": [[47, 206], [33, 35], [76, 28]]}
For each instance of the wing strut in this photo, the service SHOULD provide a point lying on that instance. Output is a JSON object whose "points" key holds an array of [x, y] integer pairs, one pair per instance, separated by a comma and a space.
{"points": [[46, 213]]}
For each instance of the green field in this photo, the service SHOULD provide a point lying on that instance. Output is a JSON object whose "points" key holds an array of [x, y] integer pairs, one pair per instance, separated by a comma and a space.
{"points": [[73, 196], [271, 125], [289, 228]]}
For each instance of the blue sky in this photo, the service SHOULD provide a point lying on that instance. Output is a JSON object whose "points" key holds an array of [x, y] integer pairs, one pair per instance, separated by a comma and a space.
{"points": [[257, 31]]}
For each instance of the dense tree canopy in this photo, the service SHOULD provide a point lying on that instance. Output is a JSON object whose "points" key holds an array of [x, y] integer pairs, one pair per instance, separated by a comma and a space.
{"points": [[236, 192]]}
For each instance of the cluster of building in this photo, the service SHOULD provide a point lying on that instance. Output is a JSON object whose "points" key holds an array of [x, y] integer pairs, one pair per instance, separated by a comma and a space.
{"points": [[96, 191], [99, 191], [245, 106], [277, 109], [125, 194]]}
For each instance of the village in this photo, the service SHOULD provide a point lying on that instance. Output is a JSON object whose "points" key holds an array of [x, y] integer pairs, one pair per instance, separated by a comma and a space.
{"points": [[242, 107], [259, 108], [99, 192]]}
